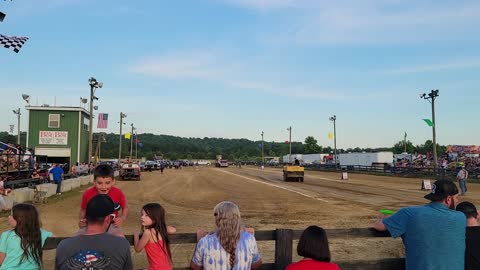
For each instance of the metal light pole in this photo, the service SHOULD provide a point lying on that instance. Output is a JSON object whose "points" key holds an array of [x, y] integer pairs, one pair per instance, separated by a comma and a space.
{"points": [[18, 113], [93, 85], [431, 98], [334, 118], [263, 158], [290, 142], [122, 115], [131, 142]]}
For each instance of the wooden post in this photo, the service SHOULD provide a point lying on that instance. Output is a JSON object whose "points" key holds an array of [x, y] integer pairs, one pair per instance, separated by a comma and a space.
{"points": [[283, 248]]}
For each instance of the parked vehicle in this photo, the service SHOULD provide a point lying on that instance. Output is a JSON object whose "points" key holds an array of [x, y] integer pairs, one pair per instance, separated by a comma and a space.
{"points": [[130, 171], [223, 163]]}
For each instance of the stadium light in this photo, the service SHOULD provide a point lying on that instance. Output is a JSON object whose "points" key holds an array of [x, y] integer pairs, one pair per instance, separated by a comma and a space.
{"points": [[430, 97], [334, 119], [94, 84], [18, 113]]}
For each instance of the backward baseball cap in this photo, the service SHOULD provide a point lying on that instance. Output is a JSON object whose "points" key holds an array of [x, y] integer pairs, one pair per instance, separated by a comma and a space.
{"points": [[441, 189], [101, 205]]}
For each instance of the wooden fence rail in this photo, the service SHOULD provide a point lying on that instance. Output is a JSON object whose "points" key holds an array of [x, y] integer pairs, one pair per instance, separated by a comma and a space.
{"points": [[284, 247]]}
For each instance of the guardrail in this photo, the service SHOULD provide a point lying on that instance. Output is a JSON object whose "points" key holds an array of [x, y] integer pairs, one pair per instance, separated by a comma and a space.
{"points": [[284, 247]]}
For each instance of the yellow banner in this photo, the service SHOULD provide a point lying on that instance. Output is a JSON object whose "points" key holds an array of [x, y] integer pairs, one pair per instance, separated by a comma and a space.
{"points": [[330, 136]]}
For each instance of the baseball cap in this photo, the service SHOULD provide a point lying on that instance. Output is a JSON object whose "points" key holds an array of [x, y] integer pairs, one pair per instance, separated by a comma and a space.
{"points": [[100, 206], [441, 189]]}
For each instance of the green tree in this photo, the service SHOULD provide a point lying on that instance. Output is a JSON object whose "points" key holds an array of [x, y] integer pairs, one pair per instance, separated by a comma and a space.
{"points": [[399, 147], [311, 146]]}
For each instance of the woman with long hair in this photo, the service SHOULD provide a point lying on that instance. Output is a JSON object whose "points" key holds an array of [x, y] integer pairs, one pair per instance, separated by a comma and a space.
{"points": [[155, 238], [230, 247], [21, 247]]}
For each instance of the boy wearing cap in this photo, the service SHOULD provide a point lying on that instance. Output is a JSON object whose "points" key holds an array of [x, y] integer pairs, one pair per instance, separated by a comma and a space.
{"points": [[95, 249], [472, 256], [103, 182], [433, 234]]}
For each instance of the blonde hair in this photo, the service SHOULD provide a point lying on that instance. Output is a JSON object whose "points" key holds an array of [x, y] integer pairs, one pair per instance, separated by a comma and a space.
{"points": [[228, 225]]}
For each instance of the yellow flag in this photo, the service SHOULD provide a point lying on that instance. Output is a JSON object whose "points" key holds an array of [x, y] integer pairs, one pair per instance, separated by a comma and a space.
{"points": [[330, 136], [127, 135]]}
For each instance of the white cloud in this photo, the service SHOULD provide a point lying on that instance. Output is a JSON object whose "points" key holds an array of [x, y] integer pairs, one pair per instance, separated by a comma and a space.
{"points": [[231, 74], [367, 22], [472, 63]]}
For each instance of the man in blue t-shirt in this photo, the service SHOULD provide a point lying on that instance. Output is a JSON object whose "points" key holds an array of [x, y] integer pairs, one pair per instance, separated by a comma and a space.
{"points": [[433, 234], [57, 177]]}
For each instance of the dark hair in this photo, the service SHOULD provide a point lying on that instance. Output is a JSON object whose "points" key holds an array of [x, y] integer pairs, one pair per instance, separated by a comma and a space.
{"points": [[157, 214], [314, 244], [103, 170], [468, 209], [28, 229]]}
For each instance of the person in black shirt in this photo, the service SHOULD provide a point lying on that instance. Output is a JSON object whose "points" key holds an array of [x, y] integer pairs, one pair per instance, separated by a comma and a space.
{"points": [[472, 256]]}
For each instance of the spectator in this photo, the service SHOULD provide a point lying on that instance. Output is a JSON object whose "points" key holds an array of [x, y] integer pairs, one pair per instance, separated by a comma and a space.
{"points": [[433, 234], [472, 256], [21, 247], [57, 177], [155, 238], [230, 240], [103, 182], [313, 247], [95, 249], [74, 169], [462, 177]]}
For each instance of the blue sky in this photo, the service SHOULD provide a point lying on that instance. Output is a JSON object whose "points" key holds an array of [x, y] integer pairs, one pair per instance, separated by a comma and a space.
{"points": [[232, 68]]}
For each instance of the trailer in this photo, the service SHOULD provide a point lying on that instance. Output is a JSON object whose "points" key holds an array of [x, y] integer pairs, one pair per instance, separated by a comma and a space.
{"points": [[365, 159]]}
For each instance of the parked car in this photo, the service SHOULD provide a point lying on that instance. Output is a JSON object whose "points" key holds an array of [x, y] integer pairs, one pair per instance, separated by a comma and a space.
{"points": [[130, 171]]}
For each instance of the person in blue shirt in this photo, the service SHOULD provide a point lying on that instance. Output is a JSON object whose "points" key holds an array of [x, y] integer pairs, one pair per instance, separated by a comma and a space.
{"points": [[57, 177], [433, 234]]}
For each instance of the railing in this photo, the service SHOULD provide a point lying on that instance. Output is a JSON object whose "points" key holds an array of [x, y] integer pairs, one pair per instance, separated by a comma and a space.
{"points": [[284, 247]]}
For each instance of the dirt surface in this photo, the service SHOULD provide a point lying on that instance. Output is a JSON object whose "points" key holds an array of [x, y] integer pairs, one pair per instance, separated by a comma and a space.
{"points": [[266, 202]]}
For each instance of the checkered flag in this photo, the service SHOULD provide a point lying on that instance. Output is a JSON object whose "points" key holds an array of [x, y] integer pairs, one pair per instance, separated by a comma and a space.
{"points": [[14, 43]]}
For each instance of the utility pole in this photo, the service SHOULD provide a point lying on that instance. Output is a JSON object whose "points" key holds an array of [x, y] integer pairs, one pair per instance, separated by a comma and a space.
{"points": [[122, 115], [431, 98], [290, 142], [263, 158], [131, 142], [18, 113], [334, 119], [136, 145]]}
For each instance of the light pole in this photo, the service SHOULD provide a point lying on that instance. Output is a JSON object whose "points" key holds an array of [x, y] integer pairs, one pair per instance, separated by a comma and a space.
{"points": [[18, 113], [290, 142], [93, 85], [263, 158], [122, 115], [431, 98], [131, 142], [136, 145], [334, 119]]}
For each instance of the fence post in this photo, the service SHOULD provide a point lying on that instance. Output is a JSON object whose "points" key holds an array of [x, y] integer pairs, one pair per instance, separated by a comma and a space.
{"points": [[283, 248]]}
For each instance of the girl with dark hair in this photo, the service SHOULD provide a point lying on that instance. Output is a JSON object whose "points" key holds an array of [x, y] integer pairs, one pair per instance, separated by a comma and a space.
{"points": [[155, 238], [313, 247], [21, 247], [230, 247]]}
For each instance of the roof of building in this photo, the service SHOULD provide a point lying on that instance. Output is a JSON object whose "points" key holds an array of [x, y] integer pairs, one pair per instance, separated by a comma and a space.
{"points": [[57, 108]]}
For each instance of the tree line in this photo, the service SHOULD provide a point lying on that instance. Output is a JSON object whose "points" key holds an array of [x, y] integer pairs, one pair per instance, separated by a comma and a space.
{"points": [[174, 147]]}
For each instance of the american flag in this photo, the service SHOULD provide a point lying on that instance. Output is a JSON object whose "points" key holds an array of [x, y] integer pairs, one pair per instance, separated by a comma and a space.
{"points": [[102, 120]]}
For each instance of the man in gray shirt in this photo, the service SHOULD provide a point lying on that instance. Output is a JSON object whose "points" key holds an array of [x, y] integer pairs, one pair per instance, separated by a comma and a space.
{"points": [[95, 249]]}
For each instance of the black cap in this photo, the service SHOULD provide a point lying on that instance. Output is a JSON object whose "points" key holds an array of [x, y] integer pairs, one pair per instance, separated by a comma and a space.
{"points": [[100, 206], [441, 189]]}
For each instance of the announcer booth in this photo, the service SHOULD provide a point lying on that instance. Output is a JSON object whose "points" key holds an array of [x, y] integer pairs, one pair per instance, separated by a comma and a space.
{"points": [[58, 134]]}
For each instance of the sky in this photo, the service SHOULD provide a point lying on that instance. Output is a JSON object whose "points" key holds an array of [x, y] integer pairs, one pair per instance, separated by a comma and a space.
{"points": [[235, 68]]}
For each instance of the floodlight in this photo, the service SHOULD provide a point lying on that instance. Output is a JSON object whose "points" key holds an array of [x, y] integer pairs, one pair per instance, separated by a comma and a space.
{"points": [[94, 97], [95, 107], [100, 84], [83, 100], [26, 98]]}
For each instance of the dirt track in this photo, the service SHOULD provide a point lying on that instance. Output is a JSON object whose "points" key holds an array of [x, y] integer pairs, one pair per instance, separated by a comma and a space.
{"points": [[266, 202]]}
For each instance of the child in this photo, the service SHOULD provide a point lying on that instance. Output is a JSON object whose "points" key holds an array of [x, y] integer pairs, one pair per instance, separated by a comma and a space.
{"points": [[103, 182], [472, 256], [155, 237], [21, 247], [313, 246]]}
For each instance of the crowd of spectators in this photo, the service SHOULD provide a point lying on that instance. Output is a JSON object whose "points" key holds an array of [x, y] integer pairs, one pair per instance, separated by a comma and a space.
{"points": [[14, 157]]}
